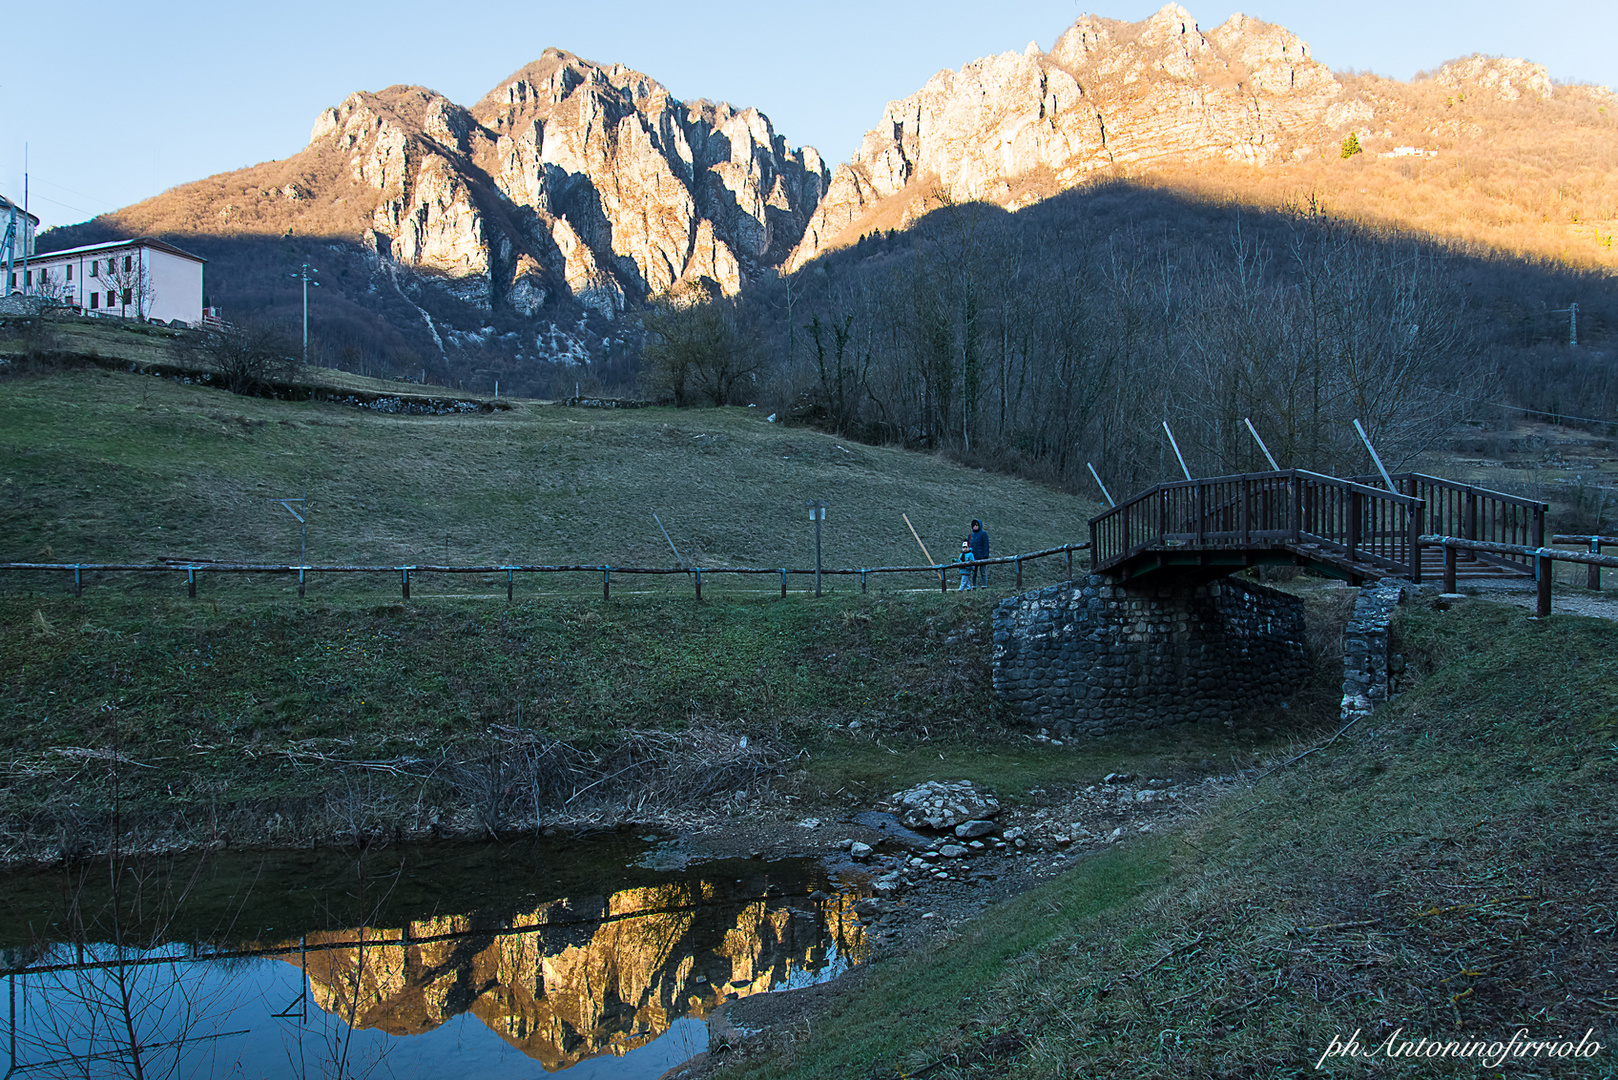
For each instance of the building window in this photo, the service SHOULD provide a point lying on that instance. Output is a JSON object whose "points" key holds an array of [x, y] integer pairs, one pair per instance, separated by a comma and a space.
{"points": [[112, 298], [129, 297], [70, 271], [28, 279], [95, 301], [128, 263]]}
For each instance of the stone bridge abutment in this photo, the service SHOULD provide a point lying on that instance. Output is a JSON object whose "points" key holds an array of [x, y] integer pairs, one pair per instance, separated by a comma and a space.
{"points": [[1095, 656]]}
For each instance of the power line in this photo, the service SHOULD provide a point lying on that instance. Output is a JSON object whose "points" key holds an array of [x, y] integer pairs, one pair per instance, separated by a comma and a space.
{"points": [[1520, 408]]}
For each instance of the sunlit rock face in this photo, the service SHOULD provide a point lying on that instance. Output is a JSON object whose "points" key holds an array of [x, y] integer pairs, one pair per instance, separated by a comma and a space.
{"points": [[578, 978], [1108, 94], [592, 175]]}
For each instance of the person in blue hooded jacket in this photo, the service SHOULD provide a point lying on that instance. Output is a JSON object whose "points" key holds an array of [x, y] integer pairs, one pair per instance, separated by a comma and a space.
{"points": [[978, 540]]}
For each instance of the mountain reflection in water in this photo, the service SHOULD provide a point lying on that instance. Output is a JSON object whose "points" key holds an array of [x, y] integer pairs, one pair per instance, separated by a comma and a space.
{"points": [[577, 978], [563, 955]]}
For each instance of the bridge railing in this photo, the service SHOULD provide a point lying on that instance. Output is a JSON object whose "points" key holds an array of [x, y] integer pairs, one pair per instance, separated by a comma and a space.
{"points": [[1475, 513], [1346, 521]]}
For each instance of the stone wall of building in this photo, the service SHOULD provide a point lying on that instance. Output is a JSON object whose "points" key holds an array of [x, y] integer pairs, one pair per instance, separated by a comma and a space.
{"points": [[1092, 656]]}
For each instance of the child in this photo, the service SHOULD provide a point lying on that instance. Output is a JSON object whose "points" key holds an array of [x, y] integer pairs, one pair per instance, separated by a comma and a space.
{"points": [[965, 560]]}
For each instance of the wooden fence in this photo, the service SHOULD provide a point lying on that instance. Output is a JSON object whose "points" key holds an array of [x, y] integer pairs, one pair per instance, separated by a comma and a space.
{"points": [[1543, 558], [193, 570]]}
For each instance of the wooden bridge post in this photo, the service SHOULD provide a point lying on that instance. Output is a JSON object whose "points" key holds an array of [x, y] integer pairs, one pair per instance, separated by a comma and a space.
{"points": [[1417, 518], [1019, 575], [1449, 569], [1202, 512], [1095, 550], [1355, 509], [1537, 539], [1542, 571], [1469, 528], [1247, 512], [1592, 573], [1297, 508]]}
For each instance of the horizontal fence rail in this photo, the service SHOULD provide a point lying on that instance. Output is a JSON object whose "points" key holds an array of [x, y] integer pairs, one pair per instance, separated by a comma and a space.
{"points": [[193, 569], [1543, 559]]}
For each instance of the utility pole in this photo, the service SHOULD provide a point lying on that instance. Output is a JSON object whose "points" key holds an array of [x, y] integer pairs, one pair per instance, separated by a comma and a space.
{"points": [[305, 275], [25, 219], [1572, 313]]}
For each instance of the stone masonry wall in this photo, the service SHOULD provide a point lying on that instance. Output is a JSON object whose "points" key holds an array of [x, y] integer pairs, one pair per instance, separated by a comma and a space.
{"points": [[1371, 671], [1092, 656]]}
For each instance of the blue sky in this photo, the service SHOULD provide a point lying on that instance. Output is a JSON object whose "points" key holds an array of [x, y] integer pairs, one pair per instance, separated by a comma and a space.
{"points": [[118, 101]]}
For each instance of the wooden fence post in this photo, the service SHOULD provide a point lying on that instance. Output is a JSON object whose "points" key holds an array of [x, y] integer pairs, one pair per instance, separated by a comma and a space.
{"points": [[699, 583], [783, 583], [1019, 575], [1542, 571], [191, 581], [300, 583], [1069, 548], [862, 582], [509, 585], [404, 580], [78, 581], [606, 583], [1449, 569], [1592, 573]]}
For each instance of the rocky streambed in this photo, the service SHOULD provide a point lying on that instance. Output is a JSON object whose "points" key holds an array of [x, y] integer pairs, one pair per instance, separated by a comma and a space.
{"points": [[931, 858]]}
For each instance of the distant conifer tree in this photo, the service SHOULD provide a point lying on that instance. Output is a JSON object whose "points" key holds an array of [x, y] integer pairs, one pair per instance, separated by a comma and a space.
{"points": [[1351, 145]]}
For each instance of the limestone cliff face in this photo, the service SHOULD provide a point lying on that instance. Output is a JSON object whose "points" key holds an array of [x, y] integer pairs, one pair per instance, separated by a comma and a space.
{"points": [[579, 978], [1115, 97], [577, 177], [1108, 94]]}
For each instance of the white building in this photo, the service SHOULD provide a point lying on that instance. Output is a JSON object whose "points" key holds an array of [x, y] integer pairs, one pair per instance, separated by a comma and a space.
{"points": [[141, 278], [23, 241]]}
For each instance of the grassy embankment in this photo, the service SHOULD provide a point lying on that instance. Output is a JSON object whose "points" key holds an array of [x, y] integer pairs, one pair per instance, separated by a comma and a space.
{"points": [[1445, 867], [247, 714]]}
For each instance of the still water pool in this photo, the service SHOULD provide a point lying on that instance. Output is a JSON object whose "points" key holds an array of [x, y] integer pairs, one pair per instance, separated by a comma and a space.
{"points": [[488, 961]]}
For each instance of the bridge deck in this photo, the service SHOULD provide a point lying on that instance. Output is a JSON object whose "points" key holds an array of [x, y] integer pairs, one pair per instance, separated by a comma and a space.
{"points": [[1348, 528]]}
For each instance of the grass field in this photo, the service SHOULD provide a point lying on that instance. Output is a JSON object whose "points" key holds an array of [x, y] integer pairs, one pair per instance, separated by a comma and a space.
{"points": [[1445, 869], [212, 716], [98, 466]]}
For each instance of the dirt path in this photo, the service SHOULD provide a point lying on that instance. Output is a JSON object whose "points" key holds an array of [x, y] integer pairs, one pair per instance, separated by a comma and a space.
{"points": [[1521, 593]]}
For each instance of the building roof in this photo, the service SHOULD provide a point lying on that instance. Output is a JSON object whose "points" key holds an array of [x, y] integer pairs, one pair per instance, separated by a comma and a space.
{"points": [[6, 205], [114, 245]]}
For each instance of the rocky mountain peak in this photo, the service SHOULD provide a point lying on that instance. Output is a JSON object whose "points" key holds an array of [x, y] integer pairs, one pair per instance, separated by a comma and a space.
{"points": [[1502, 77], [1108, 94]]}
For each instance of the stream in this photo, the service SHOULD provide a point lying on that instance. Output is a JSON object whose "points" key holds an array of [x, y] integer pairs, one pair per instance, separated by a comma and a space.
{"points": [[596, 955]]}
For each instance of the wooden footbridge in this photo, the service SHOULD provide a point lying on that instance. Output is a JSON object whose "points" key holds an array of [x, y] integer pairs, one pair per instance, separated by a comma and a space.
{"points": [[1356, 529]]}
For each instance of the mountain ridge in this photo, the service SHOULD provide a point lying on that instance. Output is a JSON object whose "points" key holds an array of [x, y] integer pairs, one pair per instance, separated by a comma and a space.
{"points": [[502, 240]]}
